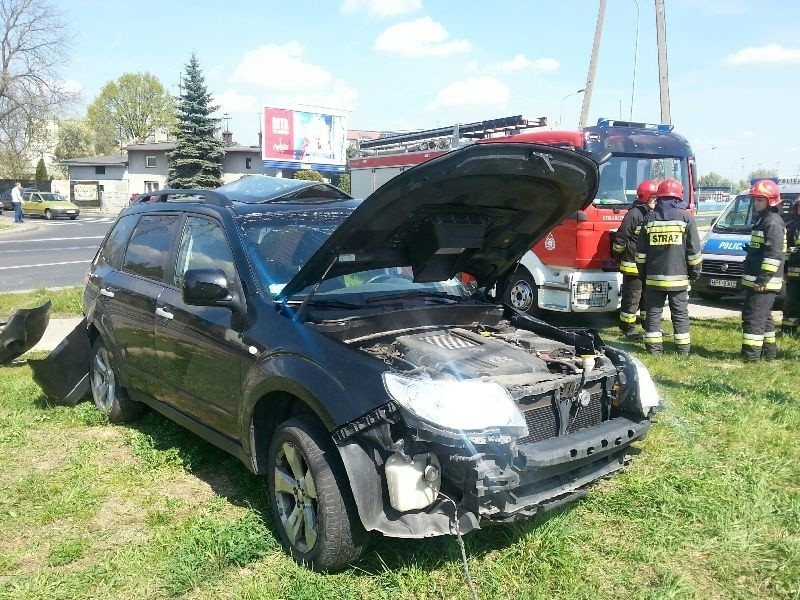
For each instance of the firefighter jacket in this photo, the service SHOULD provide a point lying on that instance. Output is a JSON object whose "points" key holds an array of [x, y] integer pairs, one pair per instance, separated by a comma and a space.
{"points": [[668, 249], [763, 264], [623, 246], [793, 250]]}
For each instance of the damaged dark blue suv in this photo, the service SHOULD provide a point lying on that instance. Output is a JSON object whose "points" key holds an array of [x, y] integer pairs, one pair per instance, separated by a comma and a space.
{"points": [[332, 345]]}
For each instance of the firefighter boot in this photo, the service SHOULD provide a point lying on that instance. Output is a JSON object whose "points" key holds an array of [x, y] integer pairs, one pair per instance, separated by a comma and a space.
{"points": [[654, 342], [769, 351]]}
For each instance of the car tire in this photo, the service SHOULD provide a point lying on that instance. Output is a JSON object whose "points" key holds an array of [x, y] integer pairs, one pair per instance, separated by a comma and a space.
{"points": [[318, 523], [109, 397], [521, 292], [48, 215], [72, 218]]}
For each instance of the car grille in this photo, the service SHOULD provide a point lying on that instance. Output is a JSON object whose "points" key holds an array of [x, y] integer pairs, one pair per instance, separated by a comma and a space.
{"points": [[542, 421], [723, 267]]}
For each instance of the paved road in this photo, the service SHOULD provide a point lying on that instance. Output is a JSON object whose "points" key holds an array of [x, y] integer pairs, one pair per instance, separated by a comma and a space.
{"points": [[48, 253]]}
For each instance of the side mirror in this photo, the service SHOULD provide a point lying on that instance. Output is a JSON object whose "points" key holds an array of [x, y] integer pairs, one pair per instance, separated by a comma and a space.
{"points": [[207, 287]]}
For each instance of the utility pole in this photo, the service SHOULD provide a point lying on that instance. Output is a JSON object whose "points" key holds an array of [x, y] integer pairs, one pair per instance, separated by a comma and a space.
{"points": [[663, 75], [587, 96]]}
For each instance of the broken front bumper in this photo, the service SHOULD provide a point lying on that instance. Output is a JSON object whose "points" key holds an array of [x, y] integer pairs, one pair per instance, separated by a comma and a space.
{"points": [[63, 374]]}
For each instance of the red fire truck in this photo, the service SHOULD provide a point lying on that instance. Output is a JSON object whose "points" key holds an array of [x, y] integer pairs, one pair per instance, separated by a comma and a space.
{"points": [[571, 269]]}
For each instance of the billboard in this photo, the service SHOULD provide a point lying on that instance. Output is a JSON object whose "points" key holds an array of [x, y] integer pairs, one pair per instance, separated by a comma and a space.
{"points": [[307, 137]]}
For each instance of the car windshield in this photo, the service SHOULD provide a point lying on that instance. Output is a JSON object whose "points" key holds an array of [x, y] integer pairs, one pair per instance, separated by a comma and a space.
{"points": [[737, 216], [280, 244], [620, 176]]}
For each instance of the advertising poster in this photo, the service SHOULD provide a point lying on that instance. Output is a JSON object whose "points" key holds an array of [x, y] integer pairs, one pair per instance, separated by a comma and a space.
{"points": [[305, 138]]}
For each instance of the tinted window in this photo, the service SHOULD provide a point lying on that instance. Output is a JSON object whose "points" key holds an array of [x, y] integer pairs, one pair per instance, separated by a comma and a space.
{"points": [[149, 246], [203, 246], [114, 248]]}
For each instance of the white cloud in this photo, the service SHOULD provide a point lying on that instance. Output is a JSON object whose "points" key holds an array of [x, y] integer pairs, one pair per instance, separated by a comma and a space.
{"points": [[381, 8], [73, 87], [232, 101], [521, 62], [422, 37], [476, 91], [280, 68], [338, 96], [769, 54]]}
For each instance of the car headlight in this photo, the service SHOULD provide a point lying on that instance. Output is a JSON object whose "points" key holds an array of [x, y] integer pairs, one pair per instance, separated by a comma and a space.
{"points": [[458, 405], [648, 394]]}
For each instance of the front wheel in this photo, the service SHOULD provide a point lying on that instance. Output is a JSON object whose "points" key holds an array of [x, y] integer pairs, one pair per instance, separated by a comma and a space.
{"points": [[521, 292], [109, 397], [48, 215], [310, 496], [73, 217]]}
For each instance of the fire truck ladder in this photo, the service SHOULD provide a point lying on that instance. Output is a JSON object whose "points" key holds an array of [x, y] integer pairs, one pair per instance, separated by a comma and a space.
{"points": [[427, 139]]}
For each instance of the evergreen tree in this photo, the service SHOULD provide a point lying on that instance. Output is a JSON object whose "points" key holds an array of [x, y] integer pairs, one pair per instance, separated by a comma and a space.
{"points": [[196, 161], [41, 173]]}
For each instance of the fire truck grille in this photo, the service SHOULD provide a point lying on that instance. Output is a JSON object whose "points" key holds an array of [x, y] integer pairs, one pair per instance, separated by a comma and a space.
{"points": [[542, 421], [723, 267]]}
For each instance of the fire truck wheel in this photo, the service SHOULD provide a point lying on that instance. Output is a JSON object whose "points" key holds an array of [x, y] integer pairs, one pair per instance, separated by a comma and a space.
{"points": [[521, 292]]}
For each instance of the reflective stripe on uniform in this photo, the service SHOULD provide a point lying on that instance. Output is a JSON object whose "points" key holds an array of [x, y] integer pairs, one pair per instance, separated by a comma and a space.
{"points": [[682, 339], [751, 339], [769, 337], [641, 258], [628, 268], [667, 280], [627, 317], [793, 272], [694, 259], [770, 265], [617, 248], [790, 321], [773, 285], [653, 337]]}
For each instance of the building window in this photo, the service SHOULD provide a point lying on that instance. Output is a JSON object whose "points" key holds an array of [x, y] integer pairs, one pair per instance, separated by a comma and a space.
{"points": [[248, 163], [99, 170], [150, 186], [150, 162]]}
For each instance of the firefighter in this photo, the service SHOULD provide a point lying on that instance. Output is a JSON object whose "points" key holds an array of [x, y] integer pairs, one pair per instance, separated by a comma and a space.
{"points": [[668, 257], [791, 308], [763, 272], [623, 249]]}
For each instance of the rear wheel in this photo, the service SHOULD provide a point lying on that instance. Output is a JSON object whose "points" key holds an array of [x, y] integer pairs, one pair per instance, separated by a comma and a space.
{"points": [[109, 397], [48, 215], [310, 496], [521, 292]]}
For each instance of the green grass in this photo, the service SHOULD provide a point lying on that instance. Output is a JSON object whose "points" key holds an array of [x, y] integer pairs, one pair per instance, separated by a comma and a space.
{"points": [[709, 509], [67, 302]]}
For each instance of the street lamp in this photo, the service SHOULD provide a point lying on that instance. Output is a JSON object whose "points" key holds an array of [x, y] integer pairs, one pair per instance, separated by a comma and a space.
{"points": [[561, 108], [635, 56]]}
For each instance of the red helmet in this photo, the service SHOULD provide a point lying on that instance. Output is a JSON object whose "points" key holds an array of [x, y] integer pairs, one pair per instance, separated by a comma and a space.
{"points": [[768, 189], [670, 188], [646, 189]]}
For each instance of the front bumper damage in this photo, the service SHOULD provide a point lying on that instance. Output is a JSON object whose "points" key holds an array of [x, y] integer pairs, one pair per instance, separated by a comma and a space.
{"points": [[497, 483], [63, 374]]}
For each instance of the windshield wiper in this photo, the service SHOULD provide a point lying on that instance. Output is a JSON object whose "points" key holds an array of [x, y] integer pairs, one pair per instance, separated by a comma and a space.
{"points": [[442, 297], [334, 303]]}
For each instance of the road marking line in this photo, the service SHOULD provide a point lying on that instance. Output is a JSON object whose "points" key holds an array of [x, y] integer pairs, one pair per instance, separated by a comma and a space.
{"points": [[16, 250], [54, 239], [55, 264]]}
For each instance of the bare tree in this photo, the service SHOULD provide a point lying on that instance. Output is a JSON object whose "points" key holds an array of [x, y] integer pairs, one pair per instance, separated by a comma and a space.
{"points": [[34, 45]]}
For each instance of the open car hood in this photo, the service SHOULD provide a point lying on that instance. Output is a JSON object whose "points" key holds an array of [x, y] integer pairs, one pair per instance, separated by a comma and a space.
{"points": [[475, 210]]}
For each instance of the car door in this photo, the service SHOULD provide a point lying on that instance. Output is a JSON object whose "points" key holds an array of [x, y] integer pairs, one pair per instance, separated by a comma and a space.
{"points": [[31, 204], [130, 296], [199, 351]]}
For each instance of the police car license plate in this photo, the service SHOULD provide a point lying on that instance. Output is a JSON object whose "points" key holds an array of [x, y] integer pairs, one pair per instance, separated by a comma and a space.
{"points": [[726, 283]]}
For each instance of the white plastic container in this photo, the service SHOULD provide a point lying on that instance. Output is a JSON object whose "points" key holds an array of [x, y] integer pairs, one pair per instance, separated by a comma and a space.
{"points": [[408, 489]]}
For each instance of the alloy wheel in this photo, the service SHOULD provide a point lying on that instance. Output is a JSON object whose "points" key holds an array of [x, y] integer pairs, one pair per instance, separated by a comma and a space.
{"points": [[103, 380], [296, 497]]}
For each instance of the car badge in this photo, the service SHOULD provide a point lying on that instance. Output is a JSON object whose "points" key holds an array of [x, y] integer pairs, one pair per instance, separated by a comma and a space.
{"points": [[724, 267], [550, 242]]}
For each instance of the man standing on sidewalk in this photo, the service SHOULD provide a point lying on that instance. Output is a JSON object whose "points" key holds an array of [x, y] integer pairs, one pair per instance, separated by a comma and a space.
{"points": [[668, 257], [16, 200]]}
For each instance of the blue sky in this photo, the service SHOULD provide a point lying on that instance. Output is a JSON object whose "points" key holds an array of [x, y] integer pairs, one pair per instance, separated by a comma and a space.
{"points": [[734, 65]]}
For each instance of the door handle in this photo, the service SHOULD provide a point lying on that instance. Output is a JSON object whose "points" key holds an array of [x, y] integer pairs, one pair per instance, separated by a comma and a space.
{"points": [[106, 292], [164, 313]]}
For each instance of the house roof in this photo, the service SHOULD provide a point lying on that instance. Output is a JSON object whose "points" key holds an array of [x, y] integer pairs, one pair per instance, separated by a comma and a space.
{"points": [[166, 146], [93, 161]]}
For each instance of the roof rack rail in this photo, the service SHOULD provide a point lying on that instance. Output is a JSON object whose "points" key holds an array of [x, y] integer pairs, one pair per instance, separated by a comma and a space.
{"points": [[198, 195]]}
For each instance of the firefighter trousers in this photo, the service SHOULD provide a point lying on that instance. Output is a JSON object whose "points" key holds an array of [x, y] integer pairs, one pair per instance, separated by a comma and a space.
{"points": [[632, 293], [791, 307], [679, 311], [758, 329]]}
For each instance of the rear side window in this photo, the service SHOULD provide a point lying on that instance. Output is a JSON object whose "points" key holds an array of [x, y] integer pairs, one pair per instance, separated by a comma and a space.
{"points": [[114, 248], [149, 246]]}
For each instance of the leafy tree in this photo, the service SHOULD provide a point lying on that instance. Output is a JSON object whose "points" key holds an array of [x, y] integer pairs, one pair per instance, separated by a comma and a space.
{"points": [[129, 109], [41, 176], [308, 175], [73, 140], [196, 161], [762, 174], [35, 46], [713, 179], [343, 182]]}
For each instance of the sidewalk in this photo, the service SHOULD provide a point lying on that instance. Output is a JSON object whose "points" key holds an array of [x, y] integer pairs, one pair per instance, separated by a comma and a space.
{"points": [[56, 331]]}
